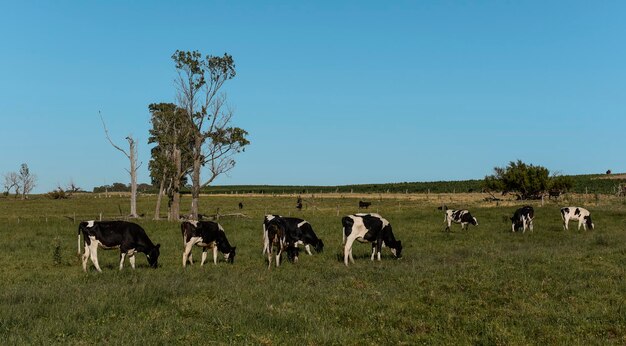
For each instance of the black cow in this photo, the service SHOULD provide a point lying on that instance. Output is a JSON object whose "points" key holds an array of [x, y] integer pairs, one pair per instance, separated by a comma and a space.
{"points": [[208, 235], [129, 237], [523, 218], [368, 228], [364, 205], [240, 205], [459, 216]]}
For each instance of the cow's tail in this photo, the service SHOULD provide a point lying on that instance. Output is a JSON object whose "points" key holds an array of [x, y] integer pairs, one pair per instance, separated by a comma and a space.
{"points": [[78, 249]]}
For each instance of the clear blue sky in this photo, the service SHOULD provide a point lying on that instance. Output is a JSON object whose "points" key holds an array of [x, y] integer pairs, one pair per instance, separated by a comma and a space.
{"points": [[331, 92]]}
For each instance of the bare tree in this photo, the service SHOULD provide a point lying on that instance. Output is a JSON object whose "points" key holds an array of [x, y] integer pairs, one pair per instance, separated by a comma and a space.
{"points": [[131, 154], [214, 141], [12, 181], [27, 180]]}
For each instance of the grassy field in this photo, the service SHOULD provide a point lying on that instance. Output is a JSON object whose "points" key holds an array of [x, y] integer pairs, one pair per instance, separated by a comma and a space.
{"points": [[482, 286]]}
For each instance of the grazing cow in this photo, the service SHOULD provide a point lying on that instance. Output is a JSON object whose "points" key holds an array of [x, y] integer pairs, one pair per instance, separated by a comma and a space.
{"points": [[298, 230], [368, 228], [208, 235], [364, 205], [278, 236], [581, 215], [459, 216], [129, 237], [266, 221], [240, 205], [523, 218]]}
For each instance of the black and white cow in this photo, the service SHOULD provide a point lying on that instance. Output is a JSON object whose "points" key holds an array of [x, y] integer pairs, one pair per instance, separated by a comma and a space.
{"points": [[298, 229], [582, 215], [207, 235], [266, 221], [459, 216], [523, 218], [368, 228], [277, 235], [129, 237]]}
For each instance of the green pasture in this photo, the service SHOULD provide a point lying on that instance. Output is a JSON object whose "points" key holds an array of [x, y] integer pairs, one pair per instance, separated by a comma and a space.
{"points": [[482, 286]]}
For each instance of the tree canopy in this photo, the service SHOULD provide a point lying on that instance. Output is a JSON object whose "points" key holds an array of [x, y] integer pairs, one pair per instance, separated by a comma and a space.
{"points": [[527, 181]]}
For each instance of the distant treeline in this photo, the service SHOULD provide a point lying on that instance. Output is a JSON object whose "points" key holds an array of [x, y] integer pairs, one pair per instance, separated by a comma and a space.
{"points": [[121, 187], [589, 183]]}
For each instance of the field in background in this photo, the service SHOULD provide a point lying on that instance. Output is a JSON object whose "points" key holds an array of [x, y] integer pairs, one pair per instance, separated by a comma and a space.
{"points": [[486, 285], [587, 183]]}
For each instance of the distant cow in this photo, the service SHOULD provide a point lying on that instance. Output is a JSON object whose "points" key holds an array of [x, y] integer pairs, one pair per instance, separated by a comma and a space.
{"points": [[240, 205], [299, 203], [207, 235], [368, 228], [581, 215], [129, 237], [300, 232], [523, 218], [459, 216], [364, 205]]}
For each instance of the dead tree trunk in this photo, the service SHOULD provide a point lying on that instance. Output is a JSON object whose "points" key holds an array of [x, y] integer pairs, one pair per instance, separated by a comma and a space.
{"points": [[174, 212], [132, 156], [157, 211]]}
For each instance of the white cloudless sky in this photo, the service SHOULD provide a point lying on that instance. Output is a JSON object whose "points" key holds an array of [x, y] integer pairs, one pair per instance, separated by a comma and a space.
{"points": [[331, 92]]}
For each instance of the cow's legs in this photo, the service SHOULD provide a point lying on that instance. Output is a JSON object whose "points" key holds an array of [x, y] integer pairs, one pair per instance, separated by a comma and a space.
{"points": [[215, 254], [131, 260], [279, 253], [347, 250], [187, 253], [204, 254], [530, 225], [581, 223], [523, 225], [379, 247], [269, 256], [93, 252], [307, 248], [373, 251], [122, 257], [513, 227], [565, 224], [85, 257]]}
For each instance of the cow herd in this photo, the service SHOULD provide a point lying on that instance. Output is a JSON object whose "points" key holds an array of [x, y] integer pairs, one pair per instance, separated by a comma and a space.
{"points": [[280, 235]]}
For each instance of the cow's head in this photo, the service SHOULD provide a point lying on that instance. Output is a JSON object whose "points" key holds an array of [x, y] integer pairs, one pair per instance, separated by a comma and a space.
{"points": [[230, 256], [292, 253], [397, 250], [319, 246], [153, 256], [474, 221], [589, 222]]}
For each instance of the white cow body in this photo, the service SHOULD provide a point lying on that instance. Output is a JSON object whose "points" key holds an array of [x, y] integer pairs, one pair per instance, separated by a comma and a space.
{"points": [[582, 215]]}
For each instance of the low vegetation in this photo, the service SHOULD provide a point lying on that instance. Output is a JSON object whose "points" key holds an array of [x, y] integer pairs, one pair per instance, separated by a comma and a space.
{"points": [[482, 286], [589, 183]]}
